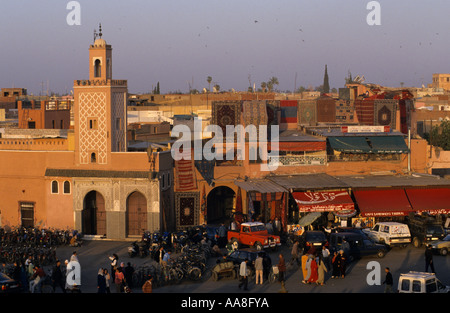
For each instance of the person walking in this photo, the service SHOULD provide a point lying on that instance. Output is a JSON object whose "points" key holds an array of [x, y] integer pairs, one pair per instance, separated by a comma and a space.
{"points": [[308, 269], [222, 233], [294, 253], [321, 270], [304, 260], [335, 265], [282, 273], [58, 277], [326, 257], [128, 272], [101, 282], [342, 263], [314, 273], [119, 280], [114, 263], [429, 259], [388, 281], [259, 267], [107, 280], [243, 272]]}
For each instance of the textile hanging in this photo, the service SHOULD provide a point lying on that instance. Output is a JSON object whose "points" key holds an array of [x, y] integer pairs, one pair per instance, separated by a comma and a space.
{"points": [[185, 175], [254, 113], [238, 209], [288, 111], [187, 208], [307, 112], [385, 113], [203, 207], [226, 113], [206, 169]]}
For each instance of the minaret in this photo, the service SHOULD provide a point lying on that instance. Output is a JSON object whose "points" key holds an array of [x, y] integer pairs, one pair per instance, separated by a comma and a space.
{"points": [[100, 106]]}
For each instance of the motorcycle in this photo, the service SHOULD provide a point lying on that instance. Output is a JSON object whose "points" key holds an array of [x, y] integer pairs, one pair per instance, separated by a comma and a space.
{"points": [[133, 250]]}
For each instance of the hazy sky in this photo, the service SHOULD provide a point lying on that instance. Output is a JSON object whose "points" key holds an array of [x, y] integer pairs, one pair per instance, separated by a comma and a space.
{"points": [[180, 42]]}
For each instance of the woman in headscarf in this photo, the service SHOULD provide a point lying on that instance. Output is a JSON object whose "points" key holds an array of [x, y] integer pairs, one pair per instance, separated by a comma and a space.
{"points": [[101, 282], [304, 260], [321, 270], [314, 275]]}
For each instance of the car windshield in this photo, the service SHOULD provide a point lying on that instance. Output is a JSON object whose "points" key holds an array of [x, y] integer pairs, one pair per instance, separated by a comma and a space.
{"points": [[258, 228], [4, 277], [315, 236], [435, 230]]}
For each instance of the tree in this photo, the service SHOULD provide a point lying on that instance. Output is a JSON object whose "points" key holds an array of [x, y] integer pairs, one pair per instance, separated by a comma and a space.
{"points": [[209, 80], [440, 136], [271, 83], [326, 83], [263, 86]]}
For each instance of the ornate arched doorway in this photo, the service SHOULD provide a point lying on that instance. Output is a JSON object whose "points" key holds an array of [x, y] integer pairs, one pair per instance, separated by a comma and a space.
{"points": [[94, 214], [136, 214], [220, 202]]}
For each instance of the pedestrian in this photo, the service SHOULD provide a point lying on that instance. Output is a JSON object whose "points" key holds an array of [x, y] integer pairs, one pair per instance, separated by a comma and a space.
{"points": [[314, 271], [388, 281], [119, 280], [345, 247], [128, 272], [429, 259], [294, 253], [277, 226], [58, 277], [107, 280], [147, 287], [259, 268], [269, 227], [308, 269], [304, 260], [114, 263], [160, 255], [243, 273], [101, 281], [342, 263], [326, 257], [335, 265], [74, 257], [222, 233], [282, 273], [321, 270]]}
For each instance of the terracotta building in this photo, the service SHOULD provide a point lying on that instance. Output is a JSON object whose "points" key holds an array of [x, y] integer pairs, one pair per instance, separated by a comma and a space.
{"points": [[89, 181]]}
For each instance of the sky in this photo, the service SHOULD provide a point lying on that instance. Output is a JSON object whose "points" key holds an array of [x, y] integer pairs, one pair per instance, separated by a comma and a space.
{"points": [[179, 43]]}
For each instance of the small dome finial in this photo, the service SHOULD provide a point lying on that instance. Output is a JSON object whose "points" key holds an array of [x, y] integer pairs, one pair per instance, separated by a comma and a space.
{"points": [[100, 30]]}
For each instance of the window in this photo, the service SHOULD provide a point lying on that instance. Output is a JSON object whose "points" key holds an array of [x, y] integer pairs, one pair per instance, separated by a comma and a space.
{"points": [[27, 214], [92, 123], [416, 286], [97, 68], [55, 186], [405, 285], [66, 187], [93, 158]]}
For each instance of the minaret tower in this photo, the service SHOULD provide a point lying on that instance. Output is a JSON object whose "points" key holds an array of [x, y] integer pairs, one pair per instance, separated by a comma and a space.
{"points": [[100, 108]]}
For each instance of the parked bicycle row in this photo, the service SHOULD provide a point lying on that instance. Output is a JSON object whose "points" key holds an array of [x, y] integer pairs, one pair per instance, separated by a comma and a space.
{"points": [[32, 237]]}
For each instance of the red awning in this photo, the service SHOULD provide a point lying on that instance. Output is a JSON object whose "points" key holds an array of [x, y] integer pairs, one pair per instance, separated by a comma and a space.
{"points": [[385, 202], [323, 201], [431, 200]]}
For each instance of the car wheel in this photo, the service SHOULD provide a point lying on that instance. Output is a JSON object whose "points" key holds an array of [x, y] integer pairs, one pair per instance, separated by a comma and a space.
{"points": [[444, 251], [215, 276], [258, 246], [416, 242], [381, 254]]}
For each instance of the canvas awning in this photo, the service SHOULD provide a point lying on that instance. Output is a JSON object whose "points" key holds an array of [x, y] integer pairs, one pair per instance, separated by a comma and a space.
{"points": [[259, 185], [388, 144], [351, 144], [431, 200], [382, 202], [324, 201]]}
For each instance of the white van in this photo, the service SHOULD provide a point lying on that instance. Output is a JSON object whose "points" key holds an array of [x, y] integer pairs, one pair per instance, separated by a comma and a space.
{"points": [[420, 282], [389, 233]]}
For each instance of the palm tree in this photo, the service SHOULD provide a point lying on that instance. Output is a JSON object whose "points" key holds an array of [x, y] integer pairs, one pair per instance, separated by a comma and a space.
{"points": [[272, 82], [209, 80], [263, 86]]}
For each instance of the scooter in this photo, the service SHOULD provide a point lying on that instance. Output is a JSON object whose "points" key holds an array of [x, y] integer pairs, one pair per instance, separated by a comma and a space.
{"points": [[133, 250]]}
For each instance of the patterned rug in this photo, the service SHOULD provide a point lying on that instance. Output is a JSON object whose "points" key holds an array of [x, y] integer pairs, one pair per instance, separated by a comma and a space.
{"points": [[187, 209], [326, 110], [385, 113], [254, 113], [226, 113], [307, 112], [288, 111], [185, 178]]}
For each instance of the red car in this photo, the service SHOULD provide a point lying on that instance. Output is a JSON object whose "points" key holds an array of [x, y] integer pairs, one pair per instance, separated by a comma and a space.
{"points": [[254, 234]]}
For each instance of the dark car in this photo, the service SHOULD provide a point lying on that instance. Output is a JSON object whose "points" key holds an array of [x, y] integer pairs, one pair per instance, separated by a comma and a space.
{"points": [[359, 245], [313, 239], [238, 256], [8, 285]]}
